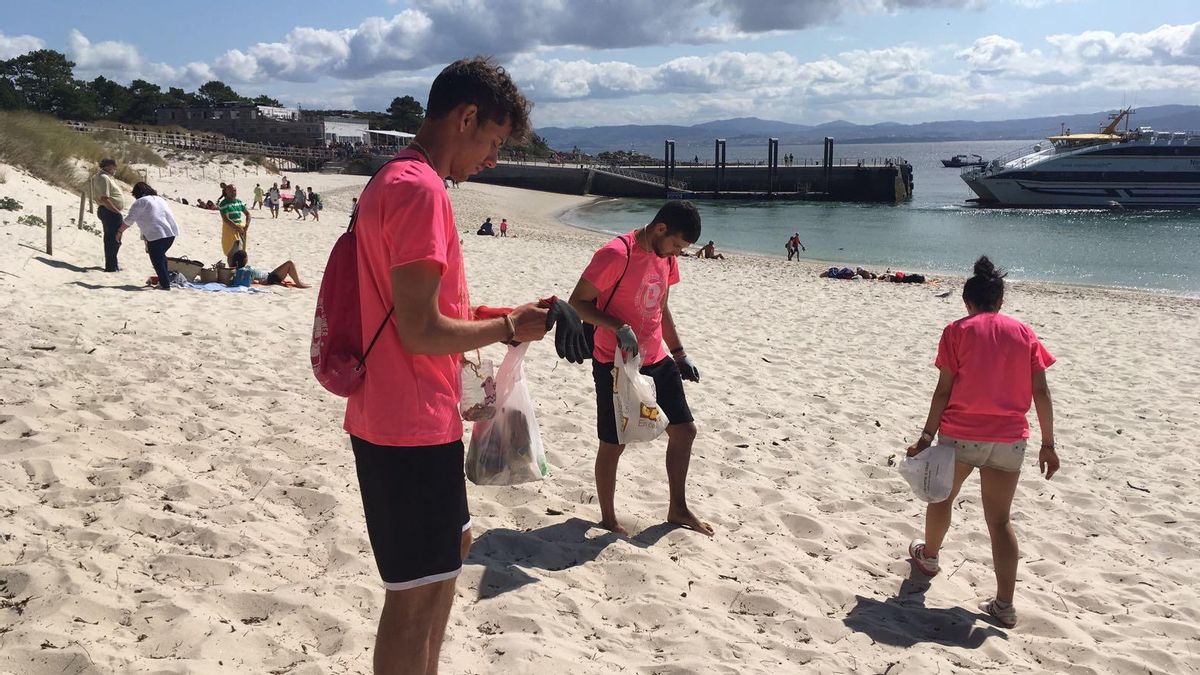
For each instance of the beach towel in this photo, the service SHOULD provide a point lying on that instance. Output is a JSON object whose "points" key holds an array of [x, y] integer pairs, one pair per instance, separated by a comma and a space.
{"points": [[217, 287]]}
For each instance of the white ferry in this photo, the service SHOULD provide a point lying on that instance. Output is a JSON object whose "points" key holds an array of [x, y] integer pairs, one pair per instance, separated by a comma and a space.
{"points": [[1131, 169]]}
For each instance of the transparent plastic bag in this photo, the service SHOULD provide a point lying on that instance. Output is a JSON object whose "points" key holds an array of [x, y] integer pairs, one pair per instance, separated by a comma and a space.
{"points": [[635, 405], [930, 473], [507, 449], [478, 401]]}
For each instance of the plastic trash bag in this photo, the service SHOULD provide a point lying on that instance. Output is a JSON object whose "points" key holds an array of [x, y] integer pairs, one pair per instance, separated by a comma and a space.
{"points": [[930, 473], [507, 449], [638, 417], [478, 400]]}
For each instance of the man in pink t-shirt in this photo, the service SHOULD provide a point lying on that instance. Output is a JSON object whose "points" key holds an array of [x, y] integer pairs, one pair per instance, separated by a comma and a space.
{"points": [[623, 293], [403, 421]]}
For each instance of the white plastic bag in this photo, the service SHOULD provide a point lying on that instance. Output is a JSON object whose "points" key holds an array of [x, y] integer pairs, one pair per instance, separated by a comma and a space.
{"points": [[930, 473], [478, 400], [638, 417], [507, 449]]}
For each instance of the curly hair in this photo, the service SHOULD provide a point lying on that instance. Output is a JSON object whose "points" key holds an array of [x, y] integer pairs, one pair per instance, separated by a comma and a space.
{"points": [[482, 82]]}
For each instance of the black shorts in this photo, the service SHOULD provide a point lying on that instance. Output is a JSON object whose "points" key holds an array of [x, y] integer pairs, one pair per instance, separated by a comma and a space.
{"points": [[273, 279], [668, 390], [415, 500]]}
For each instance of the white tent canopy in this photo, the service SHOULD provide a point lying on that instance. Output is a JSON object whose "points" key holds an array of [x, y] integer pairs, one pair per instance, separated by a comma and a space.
{"points": [[384, 132]]}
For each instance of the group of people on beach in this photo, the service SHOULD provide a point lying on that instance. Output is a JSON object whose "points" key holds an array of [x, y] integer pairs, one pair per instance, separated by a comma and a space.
{"points": [[486, 229], [404, 423], [152, 214]]}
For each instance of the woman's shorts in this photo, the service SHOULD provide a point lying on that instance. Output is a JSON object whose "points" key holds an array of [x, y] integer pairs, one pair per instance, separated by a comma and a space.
{"points": [[1002, 456]]}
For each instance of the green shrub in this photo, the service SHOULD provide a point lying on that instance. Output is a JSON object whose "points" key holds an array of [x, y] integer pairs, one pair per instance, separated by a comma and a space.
{"points": [[9, 204], [49, 149], [32, 220]]}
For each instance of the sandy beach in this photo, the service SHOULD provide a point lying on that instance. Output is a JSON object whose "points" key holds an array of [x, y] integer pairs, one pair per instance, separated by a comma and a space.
{"points": [[177, 495]]}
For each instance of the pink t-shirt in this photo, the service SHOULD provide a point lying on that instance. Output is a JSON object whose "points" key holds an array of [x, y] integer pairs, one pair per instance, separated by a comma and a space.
{"points": [[405, 216], [993, 358], [638, 300]]}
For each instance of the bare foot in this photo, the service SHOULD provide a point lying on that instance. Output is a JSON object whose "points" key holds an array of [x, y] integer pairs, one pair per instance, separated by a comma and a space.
{"points": [[613, 526], [686, 519]]}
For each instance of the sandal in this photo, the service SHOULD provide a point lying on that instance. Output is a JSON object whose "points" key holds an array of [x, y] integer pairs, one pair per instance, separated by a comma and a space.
{"points": [[928, 565], [1004, 614]]}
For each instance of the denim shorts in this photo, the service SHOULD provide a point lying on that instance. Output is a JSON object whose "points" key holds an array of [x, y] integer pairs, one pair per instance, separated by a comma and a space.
{"points": [[1002, 456]]}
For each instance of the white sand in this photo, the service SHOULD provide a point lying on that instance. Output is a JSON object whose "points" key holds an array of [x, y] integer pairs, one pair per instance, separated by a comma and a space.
{"points": [[176, 494]]}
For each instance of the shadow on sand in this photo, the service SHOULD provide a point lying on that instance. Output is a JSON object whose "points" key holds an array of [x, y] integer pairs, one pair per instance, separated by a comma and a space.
{"points": [[904, 620], [62, 265], [98, 287], [561, 546]]}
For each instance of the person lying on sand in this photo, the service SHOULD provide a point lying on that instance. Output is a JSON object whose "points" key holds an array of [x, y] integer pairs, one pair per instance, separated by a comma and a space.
{"points": [[272, 278]]}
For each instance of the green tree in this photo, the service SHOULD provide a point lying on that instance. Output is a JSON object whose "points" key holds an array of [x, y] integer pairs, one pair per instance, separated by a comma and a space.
{"points": [[145, 99], [406, 114], [216, 91], [112, 99], [178, 98], [42, 77], [10, 98], [74, 101], [266, 100]]}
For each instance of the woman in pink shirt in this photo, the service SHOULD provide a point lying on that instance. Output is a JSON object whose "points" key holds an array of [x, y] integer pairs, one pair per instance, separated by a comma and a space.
{"points": [[991, 367]]}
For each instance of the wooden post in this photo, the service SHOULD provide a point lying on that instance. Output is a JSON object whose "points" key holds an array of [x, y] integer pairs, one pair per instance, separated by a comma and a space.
{"points": [[79, 222], [49, 230]]}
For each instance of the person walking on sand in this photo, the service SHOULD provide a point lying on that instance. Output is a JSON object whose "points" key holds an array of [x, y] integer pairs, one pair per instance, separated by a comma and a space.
{"points": [[991, 367], [235, 223], [623, 292], [503, 227], [258, 196], [794, 246], [404, 424], [273, 200], [157, 224], [300, 204], [109, 204], [314, 204]]}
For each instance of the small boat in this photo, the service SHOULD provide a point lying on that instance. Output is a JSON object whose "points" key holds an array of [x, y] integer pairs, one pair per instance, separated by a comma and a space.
{"points": [[963, 160]]}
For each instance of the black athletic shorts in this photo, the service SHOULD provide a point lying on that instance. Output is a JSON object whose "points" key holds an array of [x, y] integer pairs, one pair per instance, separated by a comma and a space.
{"points": [[415, 500], [668, 389], [273, 279]]}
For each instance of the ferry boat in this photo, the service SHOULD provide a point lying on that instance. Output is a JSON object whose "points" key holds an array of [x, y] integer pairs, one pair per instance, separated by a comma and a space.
{"points": [[1131, 169]]}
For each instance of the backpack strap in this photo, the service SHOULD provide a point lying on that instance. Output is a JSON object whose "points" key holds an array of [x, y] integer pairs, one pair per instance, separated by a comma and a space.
{"points": [[628, 256], [350, 228], [354, 214]]}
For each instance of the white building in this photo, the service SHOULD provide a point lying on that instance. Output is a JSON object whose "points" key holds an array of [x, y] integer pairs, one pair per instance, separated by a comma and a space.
{"points": [[346, 130]]}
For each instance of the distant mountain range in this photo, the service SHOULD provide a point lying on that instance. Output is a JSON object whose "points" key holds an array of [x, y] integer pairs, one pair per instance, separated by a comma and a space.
{"points": [[753, 131]]}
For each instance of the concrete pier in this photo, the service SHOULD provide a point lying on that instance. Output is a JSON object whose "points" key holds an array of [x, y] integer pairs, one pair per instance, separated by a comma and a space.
{"points": [[883, 183]]}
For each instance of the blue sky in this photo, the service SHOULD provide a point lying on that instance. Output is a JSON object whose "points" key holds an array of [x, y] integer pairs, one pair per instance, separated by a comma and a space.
{"points": [[586, 62]]}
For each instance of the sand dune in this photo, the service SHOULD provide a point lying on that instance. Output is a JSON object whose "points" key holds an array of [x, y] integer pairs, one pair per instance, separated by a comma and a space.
{"points": [[177, 495]]}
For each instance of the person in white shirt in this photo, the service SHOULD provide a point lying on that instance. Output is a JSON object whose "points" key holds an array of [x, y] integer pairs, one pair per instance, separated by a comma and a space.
{"points": [[157, 224]]}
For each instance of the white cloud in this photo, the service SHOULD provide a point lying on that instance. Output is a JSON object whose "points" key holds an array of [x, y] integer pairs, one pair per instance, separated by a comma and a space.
{"points": [[122, 62], [434, 32], [15, 45], [1163, 45]]}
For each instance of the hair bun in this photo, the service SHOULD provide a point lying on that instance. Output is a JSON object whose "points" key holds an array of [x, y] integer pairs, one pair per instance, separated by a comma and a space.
{"points": [[986, 269]]}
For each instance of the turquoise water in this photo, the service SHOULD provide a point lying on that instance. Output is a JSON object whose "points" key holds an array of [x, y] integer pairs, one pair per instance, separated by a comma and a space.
{"points": [[937, 232]]}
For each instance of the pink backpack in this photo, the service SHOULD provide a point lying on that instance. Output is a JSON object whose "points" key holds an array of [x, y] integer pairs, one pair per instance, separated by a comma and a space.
{"points": [[338, 359]]}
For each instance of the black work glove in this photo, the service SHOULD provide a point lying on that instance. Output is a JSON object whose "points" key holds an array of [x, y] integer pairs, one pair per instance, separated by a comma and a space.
{"points": [[568, 339], [687, 368]]}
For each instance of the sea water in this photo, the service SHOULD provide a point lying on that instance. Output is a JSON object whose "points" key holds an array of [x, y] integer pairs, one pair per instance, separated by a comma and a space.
{"points": [[938, 232]]}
